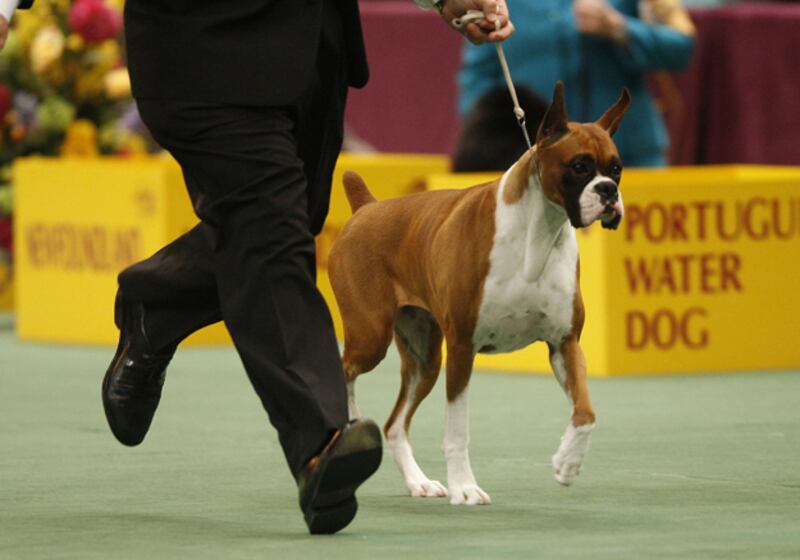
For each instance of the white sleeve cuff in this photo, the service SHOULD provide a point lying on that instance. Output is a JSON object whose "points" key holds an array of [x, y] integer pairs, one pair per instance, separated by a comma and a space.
{"points": [[425, 4], [7, 8]]}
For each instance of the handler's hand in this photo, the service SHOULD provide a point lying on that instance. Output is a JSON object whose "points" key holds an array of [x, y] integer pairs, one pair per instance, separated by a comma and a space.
{"points": [[485, 30], [3, 31], [599, 18]]}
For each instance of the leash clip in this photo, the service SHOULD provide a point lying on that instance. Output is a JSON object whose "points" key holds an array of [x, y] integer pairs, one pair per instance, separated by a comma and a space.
{"points": [[520, 114], [466, 19]]}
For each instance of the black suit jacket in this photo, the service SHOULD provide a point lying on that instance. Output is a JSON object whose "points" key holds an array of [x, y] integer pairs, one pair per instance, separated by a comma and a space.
{"points": [[250, 52]]}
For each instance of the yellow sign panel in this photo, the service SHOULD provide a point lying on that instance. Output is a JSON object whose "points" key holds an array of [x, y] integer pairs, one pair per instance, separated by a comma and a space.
{"points": [[79, 222], [6, 287], [704, 274], [701, 276]]}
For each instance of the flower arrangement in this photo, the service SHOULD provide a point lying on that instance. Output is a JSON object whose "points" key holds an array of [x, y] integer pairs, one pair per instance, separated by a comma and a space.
{"points": [[64, 88]]}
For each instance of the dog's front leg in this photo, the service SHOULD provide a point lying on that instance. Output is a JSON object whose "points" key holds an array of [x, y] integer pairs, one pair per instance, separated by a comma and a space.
{"points": [[569, 367], [462, 486]]}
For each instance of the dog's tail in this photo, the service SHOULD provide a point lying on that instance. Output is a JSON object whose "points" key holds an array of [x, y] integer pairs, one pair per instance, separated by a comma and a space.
{"points": [[356, 190]]}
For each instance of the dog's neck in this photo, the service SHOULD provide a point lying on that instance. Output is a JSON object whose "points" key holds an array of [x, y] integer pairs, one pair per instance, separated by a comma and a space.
{"points": [[542, 220]]}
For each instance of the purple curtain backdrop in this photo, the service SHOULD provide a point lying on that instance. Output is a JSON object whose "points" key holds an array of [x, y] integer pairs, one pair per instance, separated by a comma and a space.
{"points": [[739, 102]]}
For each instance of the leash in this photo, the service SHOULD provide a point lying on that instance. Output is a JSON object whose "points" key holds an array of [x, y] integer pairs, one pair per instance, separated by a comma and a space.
{"points": [[519, 112]]}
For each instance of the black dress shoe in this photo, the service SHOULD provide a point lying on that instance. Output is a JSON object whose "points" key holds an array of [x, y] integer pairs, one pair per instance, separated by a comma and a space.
{"points": [[329, 481], [132, 385]]}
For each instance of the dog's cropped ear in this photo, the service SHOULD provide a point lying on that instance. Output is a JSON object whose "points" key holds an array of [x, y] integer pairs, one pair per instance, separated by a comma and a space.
{"points": [[611, 118], [554, 122]]}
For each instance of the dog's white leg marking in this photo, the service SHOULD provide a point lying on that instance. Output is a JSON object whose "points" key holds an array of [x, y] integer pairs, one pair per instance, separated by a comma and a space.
{"points": [[352, 407], [417, 483], [559, 370], [461, 482], [568, 458]]}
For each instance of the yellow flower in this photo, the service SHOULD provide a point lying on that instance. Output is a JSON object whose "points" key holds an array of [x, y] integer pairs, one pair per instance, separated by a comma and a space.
{"points": [[47, 47], [26, 24], [62, 5], [118, 5], [105, 56], [55, 75], [75, 42], [117, 84], [89, 85], [80, 140], [42, 10]]}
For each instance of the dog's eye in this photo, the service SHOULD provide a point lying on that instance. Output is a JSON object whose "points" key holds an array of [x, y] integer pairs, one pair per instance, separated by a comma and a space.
{"points": [[616, 169], [580, 168]]}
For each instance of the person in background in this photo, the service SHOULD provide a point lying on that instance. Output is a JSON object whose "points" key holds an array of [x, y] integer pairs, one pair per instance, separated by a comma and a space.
{"points": [[596, 47], [249, 97], [490, 137]]}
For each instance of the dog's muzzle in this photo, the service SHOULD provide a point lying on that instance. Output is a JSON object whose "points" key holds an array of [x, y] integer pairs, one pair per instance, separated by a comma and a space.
{"points": [[612, 200]]}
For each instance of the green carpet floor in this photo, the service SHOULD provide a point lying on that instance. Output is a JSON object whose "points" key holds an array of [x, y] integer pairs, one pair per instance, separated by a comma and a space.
{"points": [[680, 467]]}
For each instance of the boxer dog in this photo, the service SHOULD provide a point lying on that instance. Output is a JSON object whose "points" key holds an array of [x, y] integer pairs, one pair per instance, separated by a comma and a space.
{"points": [[492, 268]]}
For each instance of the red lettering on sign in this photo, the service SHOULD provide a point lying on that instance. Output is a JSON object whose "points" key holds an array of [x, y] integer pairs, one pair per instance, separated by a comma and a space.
{"points": [[694, 342], [685, 261], [678, 222], [757, 218], [666, 329], [636, 332], [735, 228], [730, 265], [701, 208], [707, 270], [633, 219], [639, 275], [680, 274], [74, 247], [762, 231], [663, 329], [789, 228], [656, 223]]}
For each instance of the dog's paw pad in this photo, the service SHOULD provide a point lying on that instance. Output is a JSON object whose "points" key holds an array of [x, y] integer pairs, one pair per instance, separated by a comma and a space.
{"points": [[427, 489], [469, 495]]}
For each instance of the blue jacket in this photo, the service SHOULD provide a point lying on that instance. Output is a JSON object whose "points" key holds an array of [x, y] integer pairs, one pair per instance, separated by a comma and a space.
{"points": [[547, 47]]}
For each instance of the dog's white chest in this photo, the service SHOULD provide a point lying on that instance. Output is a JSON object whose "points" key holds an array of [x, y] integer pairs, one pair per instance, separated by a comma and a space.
{"points": [[515, 311]]}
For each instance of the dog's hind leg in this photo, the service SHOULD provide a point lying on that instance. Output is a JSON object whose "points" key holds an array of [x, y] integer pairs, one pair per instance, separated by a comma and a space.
{"points": [[461, 483], [366, 339], [569, 367], [419, 341]]}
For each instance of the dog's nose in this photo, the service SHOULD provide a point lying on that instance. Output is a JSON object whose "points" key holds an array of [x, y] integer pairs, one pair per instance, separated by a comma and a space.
{"points": [[607, 190]]}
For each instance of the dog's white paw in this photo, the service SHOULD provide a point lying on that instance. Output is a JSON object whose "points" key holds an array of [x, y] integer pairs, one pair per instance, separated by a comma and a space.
{"points": [[565, 472], [568, 459], [426, 489], [468, 495]]}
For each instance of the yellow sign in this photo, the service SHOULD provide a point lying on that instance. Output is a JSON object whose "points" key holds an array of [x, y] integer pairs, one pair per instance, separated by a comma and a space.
{"points": [[6, 287], [78, 222], [701, 277]]}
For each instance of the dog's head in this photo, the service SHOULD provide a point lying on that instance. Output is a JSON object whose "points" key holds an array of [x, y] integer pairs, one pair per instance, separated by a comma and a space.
{"points": [[579, 165]]}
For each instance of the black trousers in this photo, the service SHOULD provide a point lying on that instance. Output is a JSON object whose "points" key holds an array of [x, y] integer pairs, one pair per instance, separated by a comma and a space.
{"points": [[259, 179]]}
